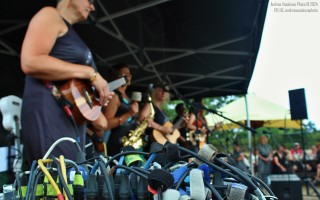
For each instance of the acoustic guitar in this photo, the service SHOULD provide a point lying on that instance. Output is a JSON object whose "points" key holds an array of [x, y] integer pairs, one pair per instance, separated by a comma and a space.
{"points": [[161, 138], [83, 99], [197, 136]]}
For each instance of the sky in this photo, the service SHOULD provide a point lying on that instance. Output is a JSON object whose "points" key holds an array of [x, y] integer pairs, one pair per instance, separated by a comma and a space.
{"points": [[289, 55]]}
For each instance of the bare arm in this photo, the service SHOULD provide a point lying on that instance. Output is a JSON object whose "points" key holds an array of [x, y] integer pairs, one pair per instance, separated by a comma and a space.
{"points": [[44, 29], [241, 157], [192, 119], [111, 110]]}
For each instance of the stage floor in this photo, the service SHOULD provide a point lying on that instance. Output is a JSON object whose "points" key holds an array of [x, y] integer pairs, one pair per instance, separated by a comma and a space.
{"points": [[312, 195]]}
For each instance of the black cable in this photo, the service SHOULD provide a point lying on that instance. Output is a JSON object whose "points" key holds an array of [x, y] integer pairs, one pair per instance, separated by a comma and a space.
{"points": [[263, 184], [64, 184], [104, 173], [249, 182], [141, 170], [208, 163], [39, 174], [243, 176], [185, 174], [220, 187], [213, 190], [76, 167], [131, 170], [88, 160], [33, 171], [168, 165], [19, 185], [159, 189]]}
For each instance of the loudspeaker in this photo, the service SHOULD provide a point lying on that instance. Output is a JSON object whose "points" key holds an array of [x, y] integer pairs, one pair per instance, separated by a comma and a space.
{"points": [[298, 104], [286, 186]]}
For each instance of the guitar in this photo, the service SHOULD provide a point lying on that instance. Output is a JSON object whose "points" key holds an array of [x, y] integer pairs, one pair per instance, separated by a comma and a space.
{"points": [[200, 135], [159, 137], [197, 136], [83, 99]]}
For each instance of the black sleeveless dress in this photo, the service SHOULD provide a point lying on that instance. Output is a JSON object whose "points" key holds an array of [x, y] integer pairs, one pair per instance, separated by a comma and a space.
{"points": [[43, 120], [114, 144]]}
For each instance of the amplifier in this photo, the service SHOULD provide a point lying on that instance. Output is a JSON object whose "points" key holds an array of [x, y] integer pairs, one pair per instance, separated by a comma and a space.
{"points": [[286, 186]]}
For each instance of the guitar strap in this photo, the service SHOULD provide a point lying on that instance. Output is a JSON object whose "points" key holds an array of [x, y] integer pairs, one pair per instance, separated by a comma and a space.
{"points": [[160, 116], [57, 94], [63, 102]]}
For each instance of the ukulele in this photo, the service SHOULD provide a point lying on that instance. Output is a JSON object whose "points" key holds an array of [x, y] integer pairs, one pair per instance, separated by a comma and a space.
{"points": [[161, 138], [83, 98]]}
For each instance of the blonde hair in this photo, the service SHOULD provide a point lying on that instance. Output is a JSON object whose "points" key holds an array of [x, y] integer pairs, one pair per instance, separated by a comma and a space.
{"points": [[154, 91], [263, 137]]}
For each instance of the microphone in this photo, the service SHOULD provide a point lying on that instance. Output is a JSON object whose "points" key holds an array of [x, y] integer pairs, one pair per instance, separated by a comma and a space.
{"points": [[136, 96], [208, 152], [159, 178], [185, 197], [172, 151], [169, 194], [155, 148], [147, 93], [150, 87], [197, 190], [236, 191]]}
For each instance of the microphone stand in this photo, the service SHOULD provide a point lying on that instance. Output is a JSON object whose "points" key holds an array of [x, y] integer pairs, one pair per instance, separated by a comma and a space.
{"points": [[196, 132], [238, 123]]}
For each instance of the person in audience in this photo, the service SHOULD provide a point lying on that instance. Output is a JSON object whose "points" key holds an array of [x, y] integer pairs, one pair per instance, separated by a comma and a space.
{"points": [[317, 177], [240, 157], [281, 163], [297, 158], [265, 155]]}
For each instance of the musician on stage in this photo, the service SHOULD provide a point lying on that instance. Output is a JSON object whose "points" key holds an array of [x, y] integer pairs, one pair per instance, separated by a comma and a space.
{"points": [[197, 123], [52, 53], [184, 135], [157, 130], [120, 112]]}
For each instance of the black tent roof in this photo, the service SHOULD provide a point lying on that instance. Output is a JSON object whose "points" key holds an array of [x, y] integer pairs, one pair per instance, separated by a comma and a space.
{"points": [[202, 48]]}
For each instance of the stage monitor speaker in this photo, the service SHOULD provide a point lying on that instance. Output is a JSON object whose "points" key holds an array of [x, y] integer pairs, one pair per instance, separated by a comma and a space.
{"points": [[298, 104], [286, 186]]}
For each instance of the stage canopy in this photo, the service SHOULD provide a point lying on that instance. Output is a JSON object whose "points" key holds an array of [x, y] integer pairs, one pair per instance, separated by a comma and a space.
{"points": [[261, 113], [202, 48]]}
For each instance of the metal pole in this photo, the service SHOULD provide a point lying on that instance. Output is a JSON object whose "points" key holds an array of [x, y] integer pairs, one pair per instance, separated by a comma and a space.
{"points": [[249, 134]]}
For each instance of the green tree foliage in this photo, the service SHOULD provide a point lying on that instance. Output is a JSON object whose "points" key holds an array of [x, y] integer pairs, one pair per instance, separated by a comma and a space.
{"points": [[223, 139]]}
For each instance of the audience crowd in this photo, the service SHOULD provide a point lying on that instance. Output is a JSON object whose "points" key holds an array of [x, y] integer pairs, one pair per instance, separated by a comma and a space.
{"points": [[285, 160]]}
